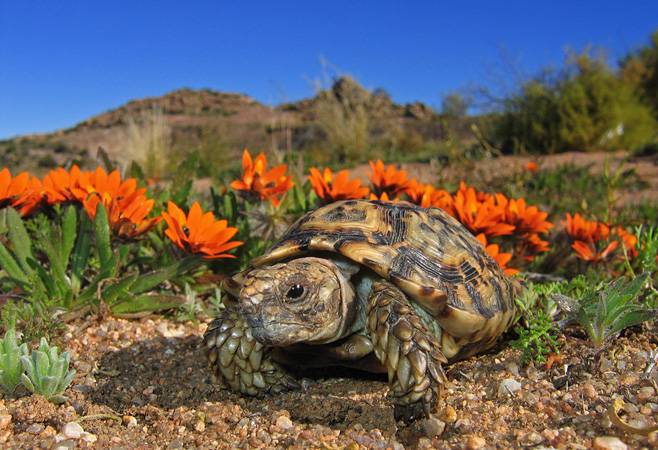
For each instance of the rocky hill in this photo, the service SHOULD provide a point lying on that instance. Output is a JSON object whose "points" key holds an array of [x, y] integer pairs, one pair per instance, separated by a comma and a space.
{"points": [[344, 122]]}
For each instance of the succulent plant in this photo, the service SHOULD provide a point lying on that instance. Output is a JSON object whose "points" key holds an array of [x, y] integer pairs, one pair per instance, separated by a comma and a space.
{"points": [[47, 372], [10, 361]]}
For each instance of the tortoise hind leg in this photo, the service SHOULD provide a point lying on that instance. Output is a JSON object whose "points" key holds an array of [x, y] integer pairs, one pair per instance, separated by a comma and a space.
{"points": [[243, 363], [410, 353]]}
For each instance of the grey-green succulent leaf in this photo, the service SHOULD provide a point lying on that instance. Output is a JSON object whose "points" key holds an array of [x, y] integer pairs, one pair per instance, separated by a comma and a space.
{"points": [[10, 361]]}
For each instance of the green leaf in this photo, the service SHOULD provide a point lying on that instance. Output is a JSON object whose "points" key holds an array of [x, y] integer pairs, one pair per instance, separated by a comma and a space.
{"points": [[9, 265], [67, 380], [48, 385], [69, 227], [150, 280], [27, 382], [632, 318], [19, 238], [147, 303], [115, 290], [47, 280], [181, 194], [81, 252], [103, 243], [28, 366], [51, 245], [57, 399]]}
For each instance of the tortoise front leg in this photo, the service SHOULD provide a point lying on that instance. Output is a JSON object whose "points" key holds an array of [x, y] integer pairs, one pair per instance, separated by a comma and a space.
{"points": [[242, 362], [411, 355]]}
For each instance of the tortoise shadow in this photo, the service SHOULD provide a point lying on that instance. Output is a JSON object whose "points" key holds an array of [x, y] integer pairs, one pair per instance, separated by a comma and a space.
{"points": [[172, 372]]}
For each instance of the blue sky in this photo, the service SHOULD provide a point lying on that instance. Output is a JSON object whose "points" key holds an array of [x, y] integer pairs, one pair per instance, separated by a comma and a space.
{"points": [[63, 61]]}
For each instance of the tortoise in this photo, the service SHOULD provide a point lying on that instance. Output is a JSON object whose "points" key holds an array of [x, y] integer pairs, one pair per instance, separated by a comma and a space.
{"points": [[381, 286]]}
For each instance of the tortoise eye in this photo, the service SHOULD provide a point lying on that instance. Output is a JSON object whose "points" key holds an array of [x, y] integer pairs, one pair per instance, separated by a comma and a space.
{"points": [[295, 291]]}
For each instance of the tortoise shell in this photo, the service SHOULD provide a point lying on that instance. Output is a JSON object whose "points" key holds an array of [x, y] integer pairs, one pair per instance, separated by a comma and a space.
{"points": [[428, 254]]}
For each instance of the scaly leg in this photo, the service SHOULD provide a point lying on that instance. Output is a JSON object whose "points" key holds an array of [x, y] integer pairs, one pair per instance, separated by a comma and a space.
{"points": [[411, 355], [242, 362]]}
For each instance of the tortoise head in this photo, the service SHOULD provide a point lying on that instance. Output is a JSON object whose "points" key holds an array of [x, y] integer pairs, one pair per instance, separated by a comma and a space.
{"points": [[305, 300]]}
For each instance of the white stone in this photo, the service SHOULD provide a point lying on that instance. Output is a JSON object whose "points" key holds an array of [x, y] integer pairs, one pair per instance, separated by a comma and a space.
{"points": [[508, 387], [284, 423], [608, 443], [72, 430], [89, 437]]}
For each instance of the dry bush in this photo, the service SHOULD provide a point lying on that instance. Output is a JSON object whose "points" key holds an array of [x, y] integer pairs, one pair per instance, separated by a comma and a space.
{"points": [[149, 141]]}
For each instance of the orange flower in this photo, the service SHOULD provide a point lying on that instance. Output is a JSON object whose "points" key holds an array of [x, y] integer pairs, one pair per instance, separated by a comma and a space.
{"points": [[331, 188], [532, 167], [198, 232], [494, 251], [382, 198], [270, 185], [479, 213], [60, 185], [629, 240], [580, 229], [387, 179], [587, 250], [588, 237], [127, 215], [526, 219], [528, 223], [126, 205], [426, 196], [23, 191], [532, 244]]}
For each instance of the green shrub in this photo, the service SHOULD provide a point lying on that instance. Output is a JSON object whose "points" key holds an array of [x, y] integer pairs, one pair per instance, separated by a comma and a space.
{"points": [[584, 106], [640, 70]]}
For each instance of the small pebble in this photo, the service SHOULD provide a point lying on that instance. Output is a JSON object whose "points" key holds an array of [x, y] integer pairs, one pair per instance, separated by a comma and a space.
{"points": [[508, 387], [72, 430], [645, 393], [475, 442], [590, 392], [129, 421], [5, 420], [608, 443], [65, 445], [35, 428], [449, 414], [532, 438], [284, 423], [653, 439], [433, 427], [89, 437], [48, 431]]}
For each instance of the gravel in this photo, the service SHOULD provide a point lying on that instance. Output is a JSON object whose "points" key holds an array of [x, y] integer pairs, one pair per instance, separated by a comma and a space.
{"points": [[147, 385]]}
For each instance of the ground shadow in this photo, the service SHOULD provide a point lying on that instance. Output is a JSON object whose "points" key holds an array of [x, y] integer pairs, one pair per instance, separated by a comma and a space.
{"points": [[172, 372]]}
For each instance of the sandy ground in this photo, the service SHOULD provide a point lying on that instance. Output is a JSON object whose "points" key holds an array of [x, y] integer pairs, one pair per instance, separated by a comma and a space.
{"points": [[145, 384]]}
